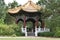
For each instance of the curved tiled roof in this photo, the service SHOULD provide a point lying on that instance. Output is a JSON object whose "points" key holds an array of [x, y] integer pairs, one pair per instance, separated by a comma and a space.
{"points": [[29, 7]]}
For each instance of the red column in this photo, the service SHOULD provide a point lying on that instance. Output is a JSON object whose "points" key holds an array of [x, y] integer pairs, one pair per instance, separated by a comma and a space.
{"points": [[24, 21], [36, 23], [43, 24], [16, 21]]}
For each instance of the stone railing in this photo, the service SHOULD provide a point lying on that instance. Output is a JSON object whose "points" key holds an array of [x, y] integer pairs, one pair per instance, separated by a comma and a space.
{"points": [[39, 30], [24, 30]]}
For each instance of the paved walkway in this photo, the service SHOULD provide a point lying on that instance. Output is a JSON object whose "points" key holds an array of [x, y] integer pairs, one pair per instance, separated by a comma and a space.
{"points": [[28, 38]]}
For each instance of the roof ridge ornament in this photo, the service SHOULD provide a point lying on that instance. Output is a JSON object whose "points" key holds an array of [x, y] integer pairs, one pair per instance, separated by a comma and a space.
{"points": [[29, 0]]}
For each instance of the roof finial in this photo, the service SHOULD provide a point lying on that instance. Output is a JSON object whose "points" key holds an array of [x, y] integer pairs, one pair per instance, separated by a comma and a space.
{"points": [[29, 0]]}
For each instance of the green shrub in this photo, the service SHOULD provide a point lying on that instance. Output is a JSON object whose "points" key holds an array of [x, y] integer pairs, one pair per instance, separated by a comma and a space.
{"points": [[14, 35], [57, 32], [6, 30], [46, 34], [17, 30], [10, 30]]}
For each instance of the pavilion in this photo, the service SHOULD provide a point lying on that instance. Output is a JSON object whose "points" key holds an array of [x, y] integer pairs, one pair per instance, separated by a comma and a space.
{"points": [[29, 12]]}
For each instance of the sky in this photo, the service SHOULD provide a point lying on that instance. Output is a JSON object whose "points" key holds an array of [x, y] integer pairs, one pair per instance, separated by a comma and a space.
{"points": [[19, 1]]}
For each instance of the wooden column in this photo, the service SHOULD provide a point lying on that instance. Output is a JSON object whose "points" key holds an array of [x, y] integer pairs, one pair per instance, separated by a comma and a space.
{"points": [[36, 23], [42, 24], [24, 21], [16, 20]]}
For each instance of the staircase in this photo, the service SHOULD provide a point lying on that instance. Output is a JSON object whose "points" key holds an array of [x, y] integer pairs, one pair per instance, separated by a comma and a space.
{"points": [[30, 34]]}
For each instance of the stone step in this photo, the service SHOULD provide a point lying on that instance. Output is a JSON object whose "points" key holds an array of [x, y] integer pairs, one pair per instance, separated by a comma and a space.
{"points": [[30, 34]]}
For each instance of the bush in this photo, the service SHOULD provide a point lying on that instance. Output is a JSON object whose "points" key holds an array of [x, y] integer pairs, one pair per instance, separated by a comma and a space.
{"points": [[10, 30], [57, 32], [46, 34], [17, 30], [6, 30]]}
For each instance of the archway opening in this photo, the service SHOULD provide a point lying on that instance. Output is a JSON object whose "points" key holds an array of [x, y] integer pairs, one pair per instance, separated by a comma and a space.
{"points": [[30, 23], [20, 22], [20, 25], [39, 24]]}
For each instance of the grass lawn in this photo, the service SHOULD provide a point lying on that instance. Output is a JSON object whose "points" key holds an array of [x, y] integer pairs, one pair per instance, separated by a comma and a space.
{"points": [[28, 38]]}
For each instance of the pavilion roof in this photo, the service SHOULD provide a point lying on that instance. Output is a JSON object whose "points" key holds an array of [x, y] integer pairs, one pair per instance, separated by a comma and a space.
{"points": [[28, 7]]}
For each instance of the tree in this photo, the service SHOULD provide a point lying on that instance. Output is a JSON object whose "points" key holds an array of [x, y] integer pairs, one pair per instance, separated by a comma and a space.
{"points": [[9, 18], [49, 7], [13, 4], [2, 11]]}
